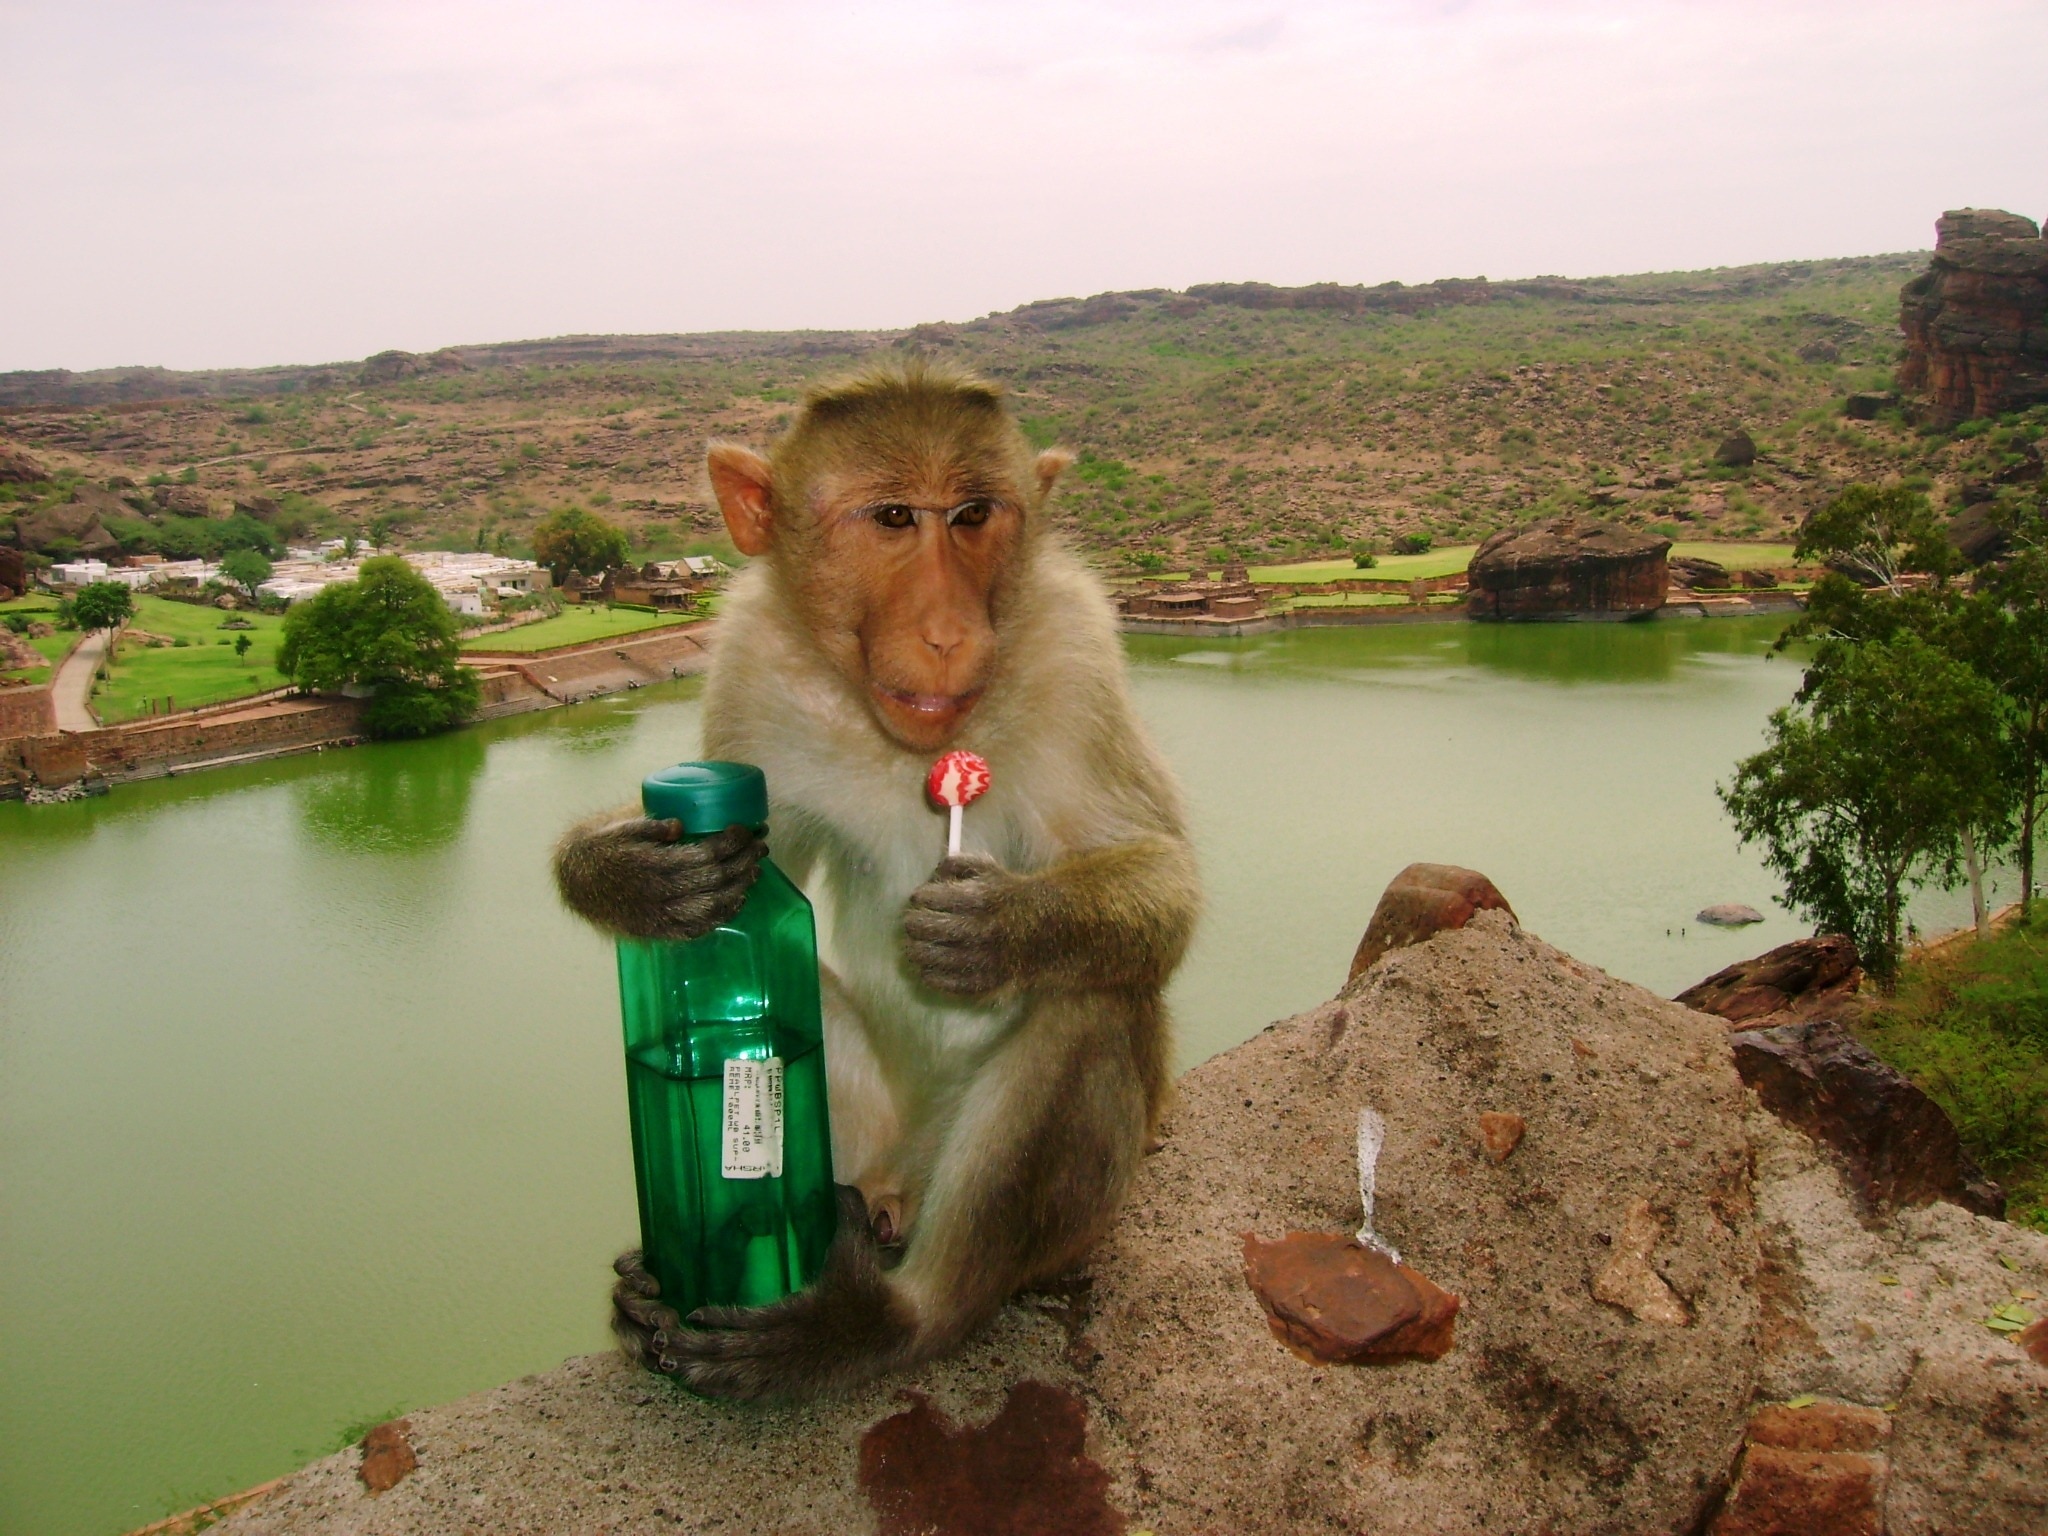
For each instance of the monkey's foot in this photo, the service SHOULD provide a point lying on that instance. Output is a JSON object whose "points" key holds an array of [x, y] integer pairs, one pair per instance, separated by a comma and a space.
{"points": [[639, 1319], [844, 1328]]}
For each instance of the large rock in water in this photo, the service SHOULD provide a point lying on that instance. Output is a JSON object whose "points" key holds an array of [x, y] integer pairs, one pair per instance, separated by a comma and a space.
{"points": [[1976, 322], [1566, 567], [1149, 1392]]}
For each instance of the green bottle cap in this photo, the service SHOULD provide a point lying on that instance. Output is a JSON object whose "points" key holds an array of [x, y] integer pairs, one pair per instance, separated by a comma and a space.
{"points": [[707, 797]]}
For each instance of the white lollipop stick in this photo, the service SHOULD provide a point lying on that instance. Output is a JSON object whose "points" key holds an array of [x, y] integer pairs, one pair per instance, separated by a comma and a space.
{"points": [[955, 818]]}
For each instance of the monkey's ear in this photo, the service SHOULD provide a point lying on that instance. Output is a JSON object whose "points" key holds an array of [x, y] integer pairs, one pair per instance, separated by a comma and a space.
{"points": [[741, 479], [1047, 467]]}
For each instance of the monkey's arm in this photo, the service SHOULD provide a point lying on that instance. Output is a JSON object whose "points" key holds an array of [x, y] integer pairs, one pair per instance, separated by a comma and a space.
{"points": [[1115, 916], [635, 877]]}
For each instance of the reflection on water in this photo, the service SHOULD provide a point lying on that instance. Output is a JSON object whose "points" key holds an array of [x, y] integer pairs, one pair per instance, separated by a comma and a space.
{"points": [[305, 1067], [390, 798]]}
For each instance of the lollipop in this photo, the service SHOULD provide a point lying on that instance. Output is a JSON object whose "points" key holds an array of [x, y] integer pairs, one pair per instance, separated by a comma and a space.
{"points": [[955, 779]]}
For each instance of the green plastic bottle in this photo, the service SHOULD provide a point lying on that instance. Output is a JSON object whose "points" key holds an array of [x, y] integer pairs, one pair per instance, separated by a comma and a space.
{"points": [[725, 1074]]}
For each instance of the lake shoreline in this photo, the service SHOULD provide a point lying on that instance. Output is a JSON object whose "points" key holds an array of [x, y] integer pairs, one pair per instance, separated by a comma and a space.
{"points": [[522, 682]]}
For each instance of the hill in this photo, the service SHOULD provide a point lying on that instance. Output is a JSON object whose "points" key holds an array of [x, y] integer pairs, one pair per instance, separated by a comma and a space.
{"points": [[1271, 422]]}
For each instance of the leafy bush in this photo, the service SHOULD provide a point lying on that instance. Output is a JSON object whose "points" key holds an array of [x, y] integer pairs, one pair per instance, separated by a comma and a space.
{"points": [[1972, 1030], [1413, 543], [1364, 557]]}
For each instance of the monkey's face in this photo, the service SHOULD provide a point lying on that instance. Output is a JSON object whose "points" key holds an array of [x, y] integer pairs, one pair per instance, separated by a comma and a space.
{"points": [[896, 540], [902, 593]]}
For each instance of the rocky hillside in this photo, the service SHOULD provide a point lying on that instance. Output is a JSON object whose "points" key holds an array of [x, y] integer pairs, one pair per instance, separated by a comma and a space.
{"points": [[1231, 417]]}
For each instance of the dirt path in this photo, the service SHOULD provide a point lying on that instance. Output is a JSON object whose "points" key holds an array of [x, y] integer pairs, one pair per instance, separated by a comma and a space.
{"points": [[72, 685]]}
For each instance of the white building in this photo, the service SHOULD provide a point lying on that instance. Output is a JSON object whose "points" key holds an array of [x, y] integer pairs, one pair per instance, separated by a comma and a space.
{"points": [[471, 584]]}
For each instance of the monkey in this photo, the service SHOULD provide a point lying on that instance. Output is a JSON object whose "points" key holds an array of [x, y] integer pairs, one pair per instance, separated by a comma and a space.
{"points": [[996, 1038]]}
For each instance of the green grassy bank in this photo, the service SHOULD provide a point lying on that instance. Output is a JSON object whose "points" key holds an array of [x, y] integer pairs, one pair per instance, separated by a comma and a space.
{"points": [[574, 626], [1970, 1026]]}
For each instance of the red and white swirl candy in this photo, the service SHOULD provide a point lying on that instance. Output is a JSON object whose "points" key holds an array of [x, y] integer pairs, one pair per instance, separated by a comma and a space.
{"points": [[956, 779]]}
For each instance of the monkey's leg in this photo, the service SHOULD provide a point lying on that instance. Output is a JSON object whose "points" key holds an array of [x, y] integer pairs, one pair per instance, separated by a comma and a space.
{"points": [[1034, 1158], [867, 1117]]}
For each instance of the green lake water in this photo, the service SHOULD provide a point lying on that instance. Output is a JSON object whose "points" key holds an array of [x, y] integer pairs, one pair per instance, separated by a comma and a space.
{"points": [[312, 1102]]}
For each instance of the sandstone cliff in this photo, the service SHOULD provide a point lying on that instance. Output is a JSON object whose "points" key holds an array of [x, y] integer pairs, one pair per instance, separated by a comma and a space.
{"points": [[1976, 322]]}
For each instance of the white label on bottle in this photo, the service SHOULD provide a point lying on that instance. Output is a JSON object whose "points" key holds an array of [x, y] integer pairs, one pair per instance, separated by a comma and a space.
{"points": [[753, 1119]]}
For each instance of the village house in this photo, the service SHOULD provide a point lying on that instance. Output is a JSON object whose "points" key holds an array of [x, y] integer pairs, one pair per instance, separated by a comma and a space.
{"points": [[1232, 595]]}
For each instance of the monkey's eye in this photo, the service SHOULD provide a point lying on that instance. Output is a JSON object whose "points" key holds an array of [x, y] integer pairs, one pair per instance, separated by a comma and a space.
{"points": [[969, 514], [894, 517]]}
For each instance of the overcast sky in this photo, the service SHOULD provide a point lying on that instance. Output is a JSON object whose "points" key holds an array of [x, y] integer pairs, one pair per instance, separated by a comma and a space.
{"points": [[205, 184]]}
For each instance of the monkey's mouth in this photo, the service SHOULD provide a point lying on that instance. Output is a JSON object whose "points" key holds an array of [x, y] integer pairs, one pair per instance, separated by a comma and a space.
{"points": [[924, 719]]}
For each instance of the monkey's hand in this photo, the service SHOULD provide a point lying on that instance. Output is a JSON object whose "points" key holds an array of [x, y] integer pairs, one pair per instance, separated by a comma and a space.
{"points": [[635, 877], [966, 930]]}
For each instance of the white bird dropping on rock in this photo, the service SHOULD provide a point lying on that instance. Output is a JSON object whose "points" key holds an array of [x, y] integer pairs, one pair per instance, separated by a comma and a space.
{"points": [[1372, 1136]]}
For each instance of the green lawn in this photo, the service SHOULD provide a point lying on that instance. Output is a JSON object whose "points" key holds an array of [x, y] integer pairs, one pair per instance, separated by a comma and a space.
{"points": [[205, 670], [1737, 557], [1436, 562], [572, 626]]}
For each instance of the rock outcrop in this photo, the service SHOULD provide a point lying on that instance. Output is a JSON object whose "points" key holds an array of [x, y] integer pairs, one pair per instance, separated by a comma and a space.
{"points": [[1652, 1262], [1805, 979], [1567, 567], [1897, 1145], [1976, 322], [72, 526], [19, 467]]}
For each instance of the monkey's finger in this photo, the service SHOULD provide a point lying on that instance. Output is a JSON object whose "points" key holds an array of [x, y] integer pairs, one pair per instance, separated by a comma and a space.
{"points": [[966, 866], [631, 1268], [925, 926], [644, 1312], [959, 896]]}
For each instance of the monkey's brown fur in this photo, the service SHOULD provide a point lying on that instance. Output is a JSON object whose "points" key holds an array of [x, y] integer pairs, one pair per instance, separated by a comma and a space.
{"points": [[996, 1043]]}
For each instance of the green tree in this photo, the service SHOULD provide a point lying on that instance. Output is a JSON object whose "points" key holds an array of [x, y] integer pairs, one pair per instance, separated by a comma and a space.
{"points": [[246, 568], [571, 539], [2003, 632], [103, 605], [242, 644], [1867, 786], [388, 630], [1879, 533]]}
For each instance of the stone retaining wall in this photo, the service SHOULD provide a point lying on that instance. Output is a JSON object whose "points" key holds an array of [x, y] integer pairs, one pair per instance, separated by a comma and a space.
{"points": [[26, 712], [148, 748]]}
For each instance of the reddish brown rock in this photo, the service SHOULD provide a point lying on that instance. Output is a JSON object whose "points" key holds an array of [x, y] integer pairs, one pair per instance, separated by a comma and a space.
{"points": [[1804, 1493], [388, 1457], [1335, 1303], [1976, 322], [19, 467], [74, 525], [1820, 1426], [1424, 899], [13, 571], [1896, 1144], [1500, 1134], [184, 501], [1808, 978], [1568, 566], [1024, 1473], [2034, 1340]]}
